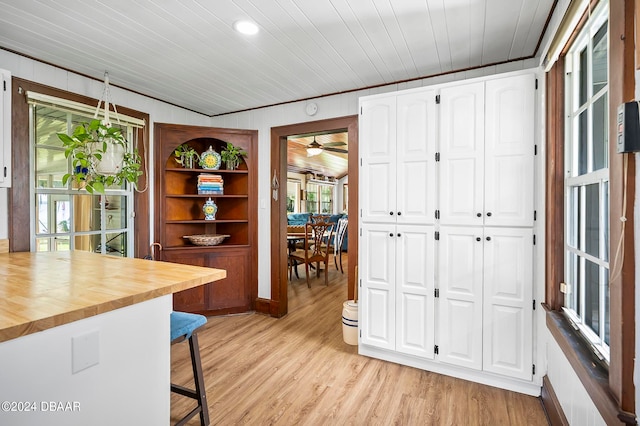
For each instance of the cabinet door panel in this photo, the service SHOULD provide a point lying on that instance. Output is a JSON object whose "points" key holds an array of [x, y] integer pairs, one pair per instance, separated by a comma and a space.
{"points": [[378, 147], [508, 296], [462, 154], [414, 290], [509, 151], [416, 141], [460, 315], [377, 296]]}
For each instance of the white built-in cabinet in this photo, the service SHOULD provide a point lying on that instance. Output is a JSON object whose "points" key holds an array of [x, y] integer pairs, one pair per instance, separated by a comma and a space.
{"points": [[5, 128], [446, 227]]}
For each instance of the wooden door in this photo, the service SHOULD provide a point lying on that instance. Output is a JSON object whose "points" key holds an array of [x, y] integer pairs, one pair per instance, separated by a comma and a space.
{"points": [[509, 151], [508, 302], [415, 154], [378, 160], [460, 305], [415, 316], [462, 154], [377, 270]]}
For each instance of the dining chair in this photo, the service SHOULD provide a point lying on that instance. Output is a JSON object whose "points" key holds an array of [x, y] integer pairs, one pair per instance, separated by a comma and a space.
{"points": [[341, 231], [317, 246], [315, 218]]}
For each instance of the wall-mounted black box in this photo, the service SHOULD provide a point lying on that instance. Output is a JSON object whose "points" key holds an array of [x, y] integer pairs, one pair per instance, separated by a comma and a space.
{"points": [[628, 127]]}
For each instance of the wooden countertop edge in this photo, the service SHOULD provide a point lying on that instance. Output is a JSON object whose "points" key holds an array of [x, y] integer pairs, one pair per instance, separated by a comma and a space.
{"points": [[38, 325]]}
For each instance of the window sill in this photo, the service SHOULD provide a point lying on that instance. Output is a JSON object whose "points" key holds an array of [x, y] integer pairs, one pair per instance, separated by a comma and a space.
{"points": [[591, 373]]}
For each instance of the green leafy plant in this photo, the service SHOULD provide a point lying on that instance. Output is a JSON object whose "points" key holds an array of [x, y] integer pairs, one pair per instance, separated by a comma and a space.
{"points": [[186, 155], [231, 155], [87, 146]]}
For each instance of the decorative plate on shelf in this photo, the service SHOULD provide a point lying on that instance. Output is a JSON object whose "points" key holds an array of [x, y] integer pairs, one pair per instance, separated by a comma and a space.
{"points": [[206, 239], [210, 159]]}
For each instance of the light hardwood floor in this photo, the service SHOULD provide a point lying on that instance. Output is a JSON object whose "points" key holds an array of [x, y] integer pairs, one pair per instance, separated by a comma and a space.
{"points": [[297, 370]]}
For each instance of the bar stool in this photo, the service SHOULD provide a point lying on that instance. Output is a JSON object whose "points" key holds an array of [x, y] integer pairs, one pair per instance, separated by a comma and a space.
{"points": [[183, 327]]}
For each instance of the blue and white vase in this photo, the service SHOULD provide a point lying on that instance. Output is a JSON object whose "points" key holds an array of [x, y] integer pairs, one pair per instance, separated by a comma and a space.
{"points": [[210, 209]]}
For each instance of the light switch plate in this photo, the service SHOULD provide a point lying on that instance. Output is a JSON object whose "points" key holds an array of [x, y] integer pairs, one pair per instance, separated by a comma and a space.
{"points": [[85, 351]]}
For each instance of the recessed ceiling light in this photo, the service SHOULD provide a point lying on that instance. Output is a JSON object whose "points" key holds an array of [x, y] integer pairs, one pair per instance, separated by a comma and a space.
{"points": [[245, 27]]}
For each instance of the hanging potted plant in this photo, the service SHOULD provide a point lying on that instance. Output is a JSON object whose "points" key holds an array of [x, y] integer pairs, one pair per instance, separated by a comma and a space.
{"points": [[186, 156], [99, 157], [231, 155]]}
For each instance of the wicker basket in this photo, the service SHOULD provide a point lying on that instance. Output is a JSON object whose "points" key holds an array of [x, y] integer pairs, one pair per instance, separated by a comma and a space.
{"points": [[206, 239]]}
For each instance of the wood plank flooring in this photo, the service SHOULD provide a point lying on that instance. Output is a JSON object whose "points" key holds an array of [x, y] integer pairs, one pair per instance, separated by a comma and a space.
{"points": [[297, 370]]}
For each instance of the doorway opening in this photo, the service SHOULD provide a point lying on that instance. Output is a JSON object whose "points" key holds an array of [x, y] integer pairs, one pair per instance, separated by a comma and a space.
{"points": [[293, 141]]}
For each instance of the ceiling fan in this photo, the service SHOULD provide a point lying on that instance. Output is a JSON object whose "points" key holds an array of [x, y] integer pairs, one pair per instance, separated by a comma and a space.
{"points": [[314, 148]]}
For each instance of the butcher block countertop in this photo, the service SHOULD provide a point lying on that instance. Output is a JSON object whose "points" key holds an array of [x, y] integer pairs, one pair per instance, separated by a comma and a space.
{"points": [[39, 291]]}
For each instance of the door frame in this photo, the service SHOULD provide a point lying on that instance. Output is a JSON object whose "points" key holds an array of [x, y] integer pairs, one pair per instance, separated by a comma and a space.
{"points": [[278, 305]]}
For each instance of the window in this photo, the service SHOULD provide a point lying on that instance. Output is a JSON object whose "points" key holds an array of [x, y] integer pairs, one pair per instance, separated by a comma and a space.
{"points": [[586, 183], [293, 196], [65, 218], [320, 198]]}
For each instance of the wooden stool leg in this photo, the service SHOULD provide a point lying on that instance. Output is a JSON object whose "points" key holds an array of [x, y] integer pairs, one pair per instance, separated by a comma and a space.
{"points": [[201, 392]]}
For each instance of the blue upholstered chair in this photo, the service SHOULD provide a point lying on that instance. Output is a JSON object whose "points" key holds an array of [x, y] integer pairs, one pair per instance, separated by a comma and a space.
{"points": [[183, 327]]}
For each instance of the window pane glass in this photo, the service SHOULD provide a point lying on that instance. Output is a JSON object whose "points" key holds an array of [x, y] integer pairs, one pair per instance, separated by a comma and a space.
{"points": [[600, 137], [592, 220], [50, 167], [87, 242], [86, 217], [62, 206], [42, 214], [61, 244], [583, 143], [42, 244], [115, 210], [573, 217], [572, 280], [592, 296], [606, 307], [48, 123], [116, 244], [605, 195], [599, 59], [583, 81]]}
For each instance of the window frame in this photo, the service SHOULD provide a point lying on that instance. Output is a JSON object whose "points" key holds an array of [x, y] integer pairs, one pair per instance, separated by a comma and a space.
{"points": [[575, 107], [612, 390], [19, 194]]}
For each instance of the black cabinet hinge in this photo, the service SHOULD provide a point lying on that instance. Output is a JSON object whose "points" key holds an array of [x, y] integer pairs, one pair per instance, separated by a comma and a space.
{"points": [[535, 215], [437, 214], [534, 304], [435, 349], [437, 99], [437, 235], [536, 84], [436, 292], [533, 369], [534, 239], [4, 85], [360, 110], [360, 333], [5, 171], [535, 150], [437, 156]]}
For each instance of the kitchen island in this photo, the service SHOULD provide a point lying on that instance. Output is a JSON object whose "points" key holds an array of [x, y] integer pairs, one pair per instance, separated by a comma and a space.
{"points": [[84, 338]]}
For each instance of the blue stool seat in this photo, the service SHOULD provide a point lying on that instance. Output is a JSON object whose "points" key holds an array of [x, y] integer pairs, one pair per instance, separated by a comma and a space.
{"points": [[185, 324]]}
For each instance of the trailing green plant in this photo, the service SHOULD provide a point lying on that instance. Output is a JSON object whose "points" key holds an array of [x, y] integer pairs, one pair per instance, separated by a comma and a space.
{"points": [[186, 155], [231, 155], [86, 146]]}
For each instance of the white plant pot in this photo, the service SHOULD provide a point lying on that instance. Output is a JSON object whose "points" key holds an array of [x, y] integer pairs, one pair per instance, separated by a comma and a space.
{"points": [[111, 162]]}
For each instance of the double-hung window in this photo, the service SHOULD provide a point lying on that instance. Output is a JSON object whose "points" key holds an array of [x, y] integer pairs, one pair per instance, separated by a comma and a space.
{"points": [[586, 183], [64, 217]]}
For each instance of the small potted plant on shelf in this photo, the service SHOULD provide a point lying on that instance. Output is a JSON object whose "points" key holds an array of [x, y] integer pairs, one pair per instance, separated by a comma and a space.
{"points": [[231, 155], [186, 156], [99, 157]]}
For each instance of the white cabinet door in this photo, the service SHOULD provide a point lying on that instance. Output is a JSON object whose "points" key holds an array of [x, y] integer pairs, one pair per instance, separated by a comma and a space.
{"points": [[462, 154], [5, 128], [414, 290], [378, 160], [377, 272], [508, 302], [460, 306], [415, 153], [509, 151]]}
